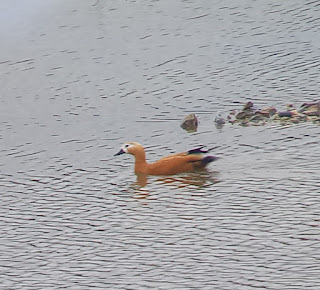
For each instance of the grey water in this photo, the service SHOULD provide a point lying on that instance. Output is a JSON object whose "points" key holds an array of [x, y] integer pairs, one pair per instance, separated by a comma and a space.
{"points": [[79, 78]]}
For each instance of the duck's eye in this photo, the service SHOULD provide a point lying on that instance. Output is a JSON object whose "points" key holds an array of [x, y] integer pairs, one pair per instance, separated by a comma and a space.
{"points": [[126, 146]]}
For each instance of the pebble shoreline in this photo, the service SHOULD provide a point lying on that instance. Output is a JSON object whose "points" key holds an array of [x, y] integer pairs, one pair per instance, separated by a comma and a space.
{"points": [[250, 115]]}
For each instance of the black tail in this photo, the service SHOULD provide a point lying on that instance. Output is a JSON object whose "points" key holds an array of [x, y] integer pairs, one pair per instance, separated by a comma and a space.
{"points": [[206, 160]]}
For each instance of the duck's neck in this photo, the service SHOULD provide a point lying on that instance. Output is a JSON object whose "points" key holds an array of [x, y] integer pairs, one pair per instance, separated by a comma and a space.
{"points": [[140, 162]]}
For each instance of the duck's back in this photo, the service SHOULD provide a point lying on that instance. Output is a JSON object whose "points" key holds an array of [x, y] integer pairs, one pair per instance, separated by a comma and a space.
{"points": [[178, 163]]}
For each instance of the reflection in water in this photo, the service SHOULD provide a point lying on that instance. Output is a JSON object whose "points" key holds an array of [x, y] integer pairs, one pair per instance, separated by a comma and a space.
{"points": [[146, 186], [201, 178]]}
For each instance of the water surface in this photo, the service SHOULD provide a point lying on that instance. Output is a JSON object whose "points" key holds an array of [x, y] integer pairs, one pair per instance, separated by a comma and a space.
{"points": [[80, 78]]}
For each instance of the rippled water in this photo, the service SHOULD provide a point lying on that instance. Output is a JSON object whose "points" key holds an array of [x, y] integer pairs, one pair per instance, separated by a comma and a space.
{"points": [[80, 78]]}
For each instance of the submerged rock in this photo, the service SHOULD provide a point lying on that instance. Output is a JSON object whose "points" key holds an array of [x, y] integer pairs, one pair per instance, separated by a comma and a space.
{"points": [[286, 114], [266, 112], [311, 109], [248, 105], [257, 118], [244, 114], [219, 121], [316, 121], [190, 123]]}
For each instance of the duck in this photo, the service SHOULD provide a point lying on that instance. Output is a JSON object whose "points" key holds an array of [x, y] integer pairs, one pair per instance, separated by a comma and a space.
{"points": [[192, 160]]}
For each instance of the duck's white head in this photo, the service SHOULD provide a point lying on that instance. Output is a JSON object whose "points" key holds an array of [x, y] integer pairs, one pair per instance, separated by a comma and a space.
{"points": [[130, 148]]}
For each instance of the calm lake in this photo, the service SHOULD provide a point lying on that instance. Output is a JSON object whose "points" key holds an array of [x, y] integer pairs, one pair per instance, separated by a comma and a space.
{"points": [[79, 78]]}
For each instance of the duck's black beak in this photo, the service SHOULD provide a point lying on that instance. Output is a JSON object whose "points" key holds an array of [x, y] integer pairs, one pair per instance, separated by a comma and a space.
{"points": [[119, 153]]}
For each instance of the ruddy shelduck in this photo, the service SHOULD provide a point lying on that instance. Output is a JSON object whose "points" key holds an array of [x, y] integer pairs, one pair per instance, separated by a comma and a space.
{"points": [[189, 161]]}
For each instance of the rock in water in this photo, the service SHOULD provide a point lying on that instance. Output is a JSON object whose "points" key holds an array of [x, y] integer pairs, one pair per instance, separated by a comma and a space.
{"points": [[190, 123]]}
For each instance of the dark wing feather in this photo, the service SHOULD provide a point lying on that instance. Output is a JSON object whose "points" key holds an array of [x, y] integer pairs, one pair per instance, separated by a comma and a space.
{"points": [[200, 151], [197, 151]]}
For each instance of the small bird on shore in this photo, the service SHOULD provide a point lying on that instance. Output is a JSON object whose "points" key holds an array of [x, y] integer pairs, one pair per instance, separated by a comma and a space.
{"points": [[189, 161]]}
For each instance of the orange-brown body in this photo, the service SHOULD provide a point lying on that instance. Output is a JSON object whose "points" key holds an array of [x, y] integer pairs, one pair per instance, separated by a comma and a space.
{"points": [[172, 164]]}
